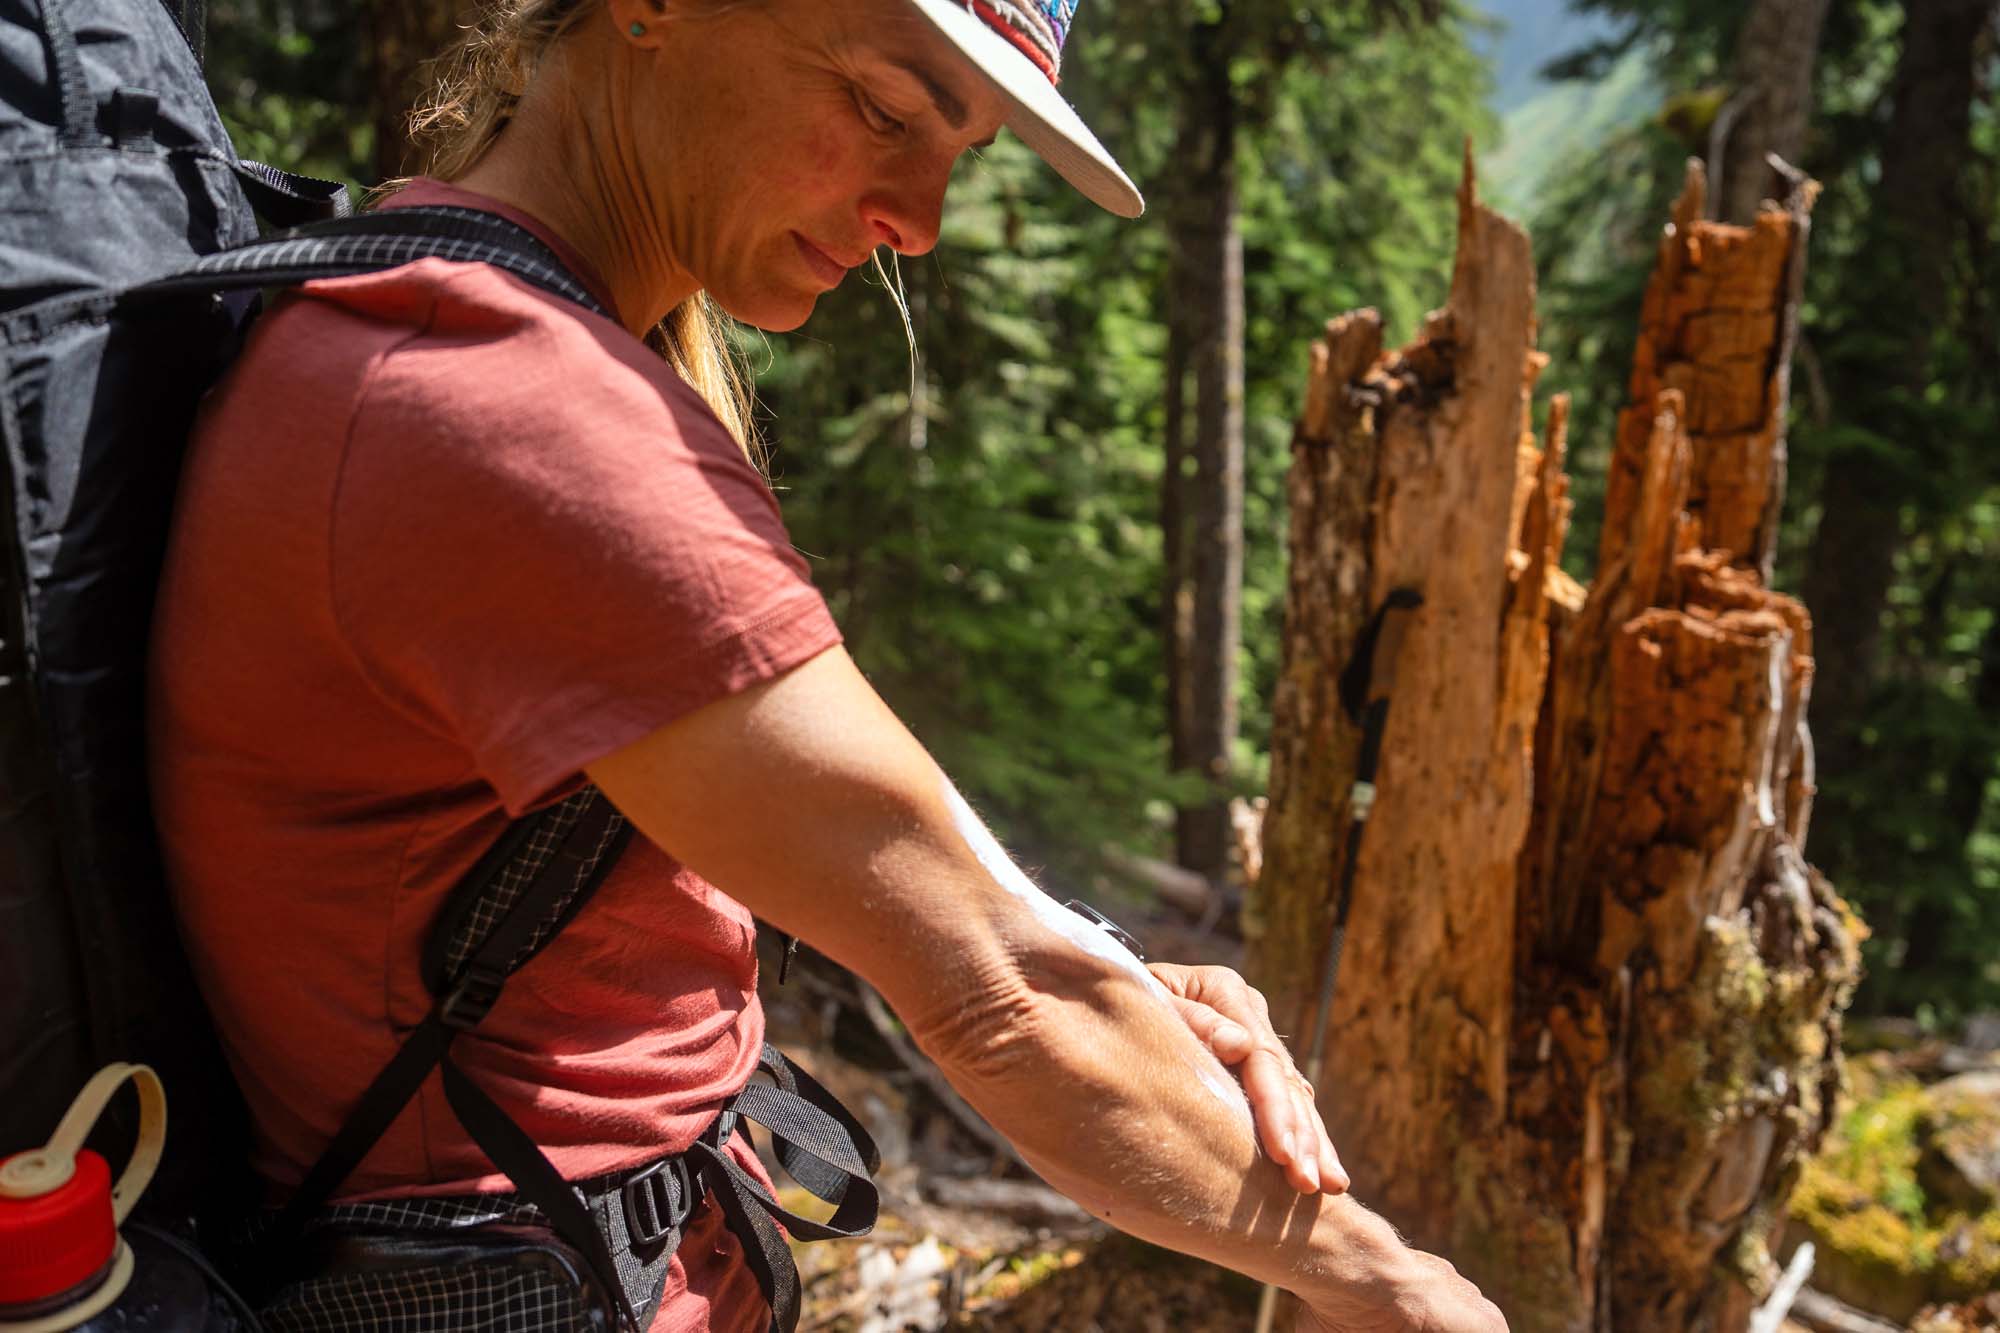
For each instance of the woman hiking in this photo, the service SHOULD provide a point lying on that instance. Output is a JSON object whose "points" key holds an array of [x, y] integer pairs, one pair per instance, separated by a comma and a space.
{"points": [[506, 547]]}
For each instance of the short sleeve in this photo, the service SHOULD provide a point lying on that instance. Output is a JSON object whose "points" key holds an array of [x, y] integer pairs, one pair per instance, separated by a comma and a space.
{"points": [[545, 547]]}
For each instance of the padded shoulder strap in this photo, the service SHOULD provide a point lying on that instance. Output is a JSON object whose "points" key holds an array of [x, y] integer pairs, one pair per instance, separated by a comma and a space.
{"points": [[370, 242]]}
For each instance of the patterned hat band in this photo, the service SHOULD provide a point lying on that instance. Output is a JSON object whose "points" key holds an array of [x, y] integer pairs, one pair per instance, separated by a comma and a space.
{"points": [[1037, 28]]}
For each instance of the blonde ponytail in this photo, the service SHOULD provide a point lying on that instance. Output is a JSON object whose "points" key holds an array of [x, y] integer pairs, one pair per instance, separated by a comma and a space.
{"points": [[474, 89]]}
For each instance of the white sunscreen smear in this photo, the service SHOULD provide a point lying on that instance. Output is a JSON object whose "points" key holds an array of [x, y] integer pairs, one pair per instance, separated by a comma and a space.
{"points": [[1086, 936]]}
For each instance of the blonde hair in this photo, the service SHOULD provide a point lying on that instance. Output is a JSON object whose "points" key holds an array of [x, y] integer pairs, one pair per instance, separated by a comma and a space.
{"points": [[473, 90]]}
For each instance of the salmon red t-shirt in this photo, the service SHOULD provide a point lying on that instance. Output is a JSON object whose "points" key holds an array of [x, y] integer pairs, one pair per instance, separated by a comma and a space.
{"points": [[443, 540]]}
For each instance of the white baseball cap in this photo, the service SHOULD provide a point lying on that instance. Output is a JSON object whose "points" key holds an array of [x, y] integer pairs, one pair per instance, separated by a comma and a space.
{"points": [[1018, 45]]}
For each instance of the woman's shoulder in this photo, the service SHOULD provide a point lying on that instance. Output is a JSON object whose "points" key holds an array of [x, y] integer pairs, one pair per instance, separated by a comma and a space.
{"points": [[453, 352]]}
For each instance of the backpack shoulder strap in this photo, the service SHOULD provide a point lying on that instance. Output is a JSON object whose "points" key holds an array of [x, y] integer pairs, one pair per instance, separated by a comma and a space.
{"points": [[506, 910], [371, 242]]}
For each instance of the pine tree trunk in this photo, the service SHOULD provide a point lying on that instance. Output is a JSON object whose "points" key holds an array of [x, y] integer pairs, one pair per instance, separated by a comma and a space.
{"points": [[402, 35], [1213, 251], [1176, 571], [1881, 374], [1587, 1017], [1770, 102]]}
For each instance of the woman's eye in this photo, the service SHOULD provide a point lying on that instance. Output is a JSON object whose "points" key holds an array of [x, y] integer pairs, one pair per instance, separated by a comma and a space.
{"points": [[878, 120]]}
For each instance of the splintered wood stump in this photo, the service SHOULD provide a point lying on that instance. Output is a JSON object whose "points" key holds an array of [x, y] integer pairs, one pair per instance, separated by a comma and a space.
{"points": [[1587, 1016], [1719, 322], [1416, 469]]}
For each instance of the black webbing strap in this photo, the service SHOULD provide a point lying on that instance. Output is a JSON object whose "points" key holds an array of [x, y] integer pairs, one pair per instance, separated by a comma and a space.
{"points": [[72, 85], [510, 1149], [568, 876], [370, 242], [748, 1212], [820, 1145], [803, 1149], [286, 199]]}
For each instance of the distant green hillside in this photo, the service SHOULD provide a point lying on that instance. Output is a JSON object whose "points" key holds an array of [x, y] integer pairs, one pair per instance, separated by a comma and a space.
{"points": [[1563, 123], [1525, 36]]}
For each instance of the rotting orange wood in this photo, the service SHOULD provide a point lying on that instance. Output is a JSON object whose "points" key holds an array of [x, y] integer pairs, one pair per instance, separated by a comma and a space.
{"points": [[1416, 468], [1715, 326], [1588, 1011], [1672, 906]]}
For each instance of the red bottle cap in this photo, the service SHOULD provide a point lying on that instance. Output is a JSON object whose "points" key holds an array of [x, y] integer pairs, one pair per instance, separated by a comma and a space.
{"points": [[53, 1241]]}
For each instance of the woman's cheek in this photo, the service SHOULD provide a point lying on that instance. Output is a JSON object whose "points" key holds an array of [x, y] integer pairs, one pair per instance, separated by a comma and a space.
{"points": [[825, 154]]}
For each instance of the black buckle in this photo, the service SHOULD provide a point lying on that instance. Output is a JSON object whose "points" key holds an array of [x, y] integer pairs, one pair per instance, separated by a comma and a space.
{"points": [[470, 999], [657, 1200], [1107, 925]]}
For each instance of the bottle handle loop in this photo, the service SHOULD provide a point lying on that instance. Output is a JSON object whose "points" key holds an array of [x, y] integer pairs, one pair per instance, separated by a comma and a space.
{"points": [[40, 1170]]}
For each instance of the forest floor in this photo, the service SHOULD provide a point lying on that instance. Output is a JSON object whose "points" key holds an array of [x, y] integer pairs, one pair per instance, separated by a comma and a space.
{"points": [[969, 1240]]}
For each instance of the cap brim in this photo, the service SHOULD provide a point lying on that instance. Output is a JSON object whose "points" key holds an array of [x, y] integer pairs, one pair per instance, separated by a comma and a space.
{"points": [[1041, 117]]}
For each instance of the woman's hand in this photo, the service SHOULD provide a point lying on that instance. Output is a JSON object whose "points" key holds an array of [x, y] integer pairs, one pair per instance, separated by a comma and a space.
{"points": [[1230, 1017]]}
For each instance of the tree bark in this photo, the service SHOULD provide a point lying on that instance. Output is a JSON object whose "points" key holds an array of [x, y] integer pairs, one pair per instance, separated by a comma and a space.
{"points": [[402, 35], [1770, 103], [1587, 1019], [1414, 469], [1176, 572], [1880, 372], [1213, 248]]}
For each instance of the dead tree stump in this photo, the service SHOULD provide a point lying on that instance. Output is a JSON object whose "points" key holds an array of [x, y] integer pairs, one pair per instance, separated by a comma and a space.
{"points": [[1588, 1012]]}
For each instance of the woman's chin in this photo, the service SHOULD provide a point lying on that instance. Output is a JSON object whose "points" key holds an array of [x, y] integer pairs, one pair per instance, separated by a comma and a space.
{"points": [[770, 312]]}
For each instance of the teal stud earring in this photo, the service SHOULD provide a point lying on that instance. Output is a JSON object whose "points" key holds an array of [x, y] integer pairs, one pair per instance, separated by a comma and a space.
{"points": [[637, 29]]}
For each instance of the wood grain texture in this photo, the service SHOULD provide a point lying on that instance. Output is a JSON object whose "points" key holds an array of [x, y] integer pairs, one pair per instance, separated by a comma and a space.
{"points": [[1587, 1017]]}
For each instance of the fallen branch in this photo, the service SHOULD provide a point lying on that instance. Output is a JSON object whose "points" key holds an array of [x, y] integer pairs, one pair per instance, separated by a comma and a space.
{"points": [[1770, 1316], [1020, 1200], [1185, 890], [1823, 1314]]}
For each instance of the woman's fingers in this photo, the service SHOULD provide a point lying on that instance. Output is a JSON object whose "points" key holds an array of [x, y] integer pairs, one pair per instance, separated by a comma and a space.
{"points": [[1333, 1177], [1282, 1124], [1230, 1017], [1215, 1030]]}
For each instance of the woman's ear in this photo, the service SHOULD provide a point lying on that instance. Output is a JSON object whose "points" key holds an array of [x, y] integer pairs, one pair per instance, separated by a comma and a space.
{"points": [[638, 21]]}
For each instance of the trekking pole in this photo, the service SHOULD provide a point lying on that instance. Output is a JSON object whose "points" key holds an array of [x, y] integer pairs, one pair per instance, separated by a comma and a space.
{"points": [[1365, 685]]}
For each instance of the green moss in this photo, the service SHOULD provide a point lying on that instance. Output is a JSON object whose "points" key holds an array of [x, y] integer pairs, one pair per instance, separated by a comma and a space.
{"points": [[1709, 1077], [1861, 1198], [1028, 1269], [1973, 1265], [1747, 1259], [1875, 1148]]}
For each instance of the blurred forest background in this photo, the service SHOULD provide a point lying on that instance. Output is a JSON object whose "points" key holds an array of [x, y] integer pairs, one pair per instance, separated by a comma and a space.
{"points": [[1056, 540]]}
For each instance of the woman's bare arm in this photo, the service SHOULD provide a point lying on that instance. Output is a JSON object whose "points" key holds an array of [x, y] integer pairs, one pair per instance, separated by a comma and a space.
{"points": [[809, 802]]}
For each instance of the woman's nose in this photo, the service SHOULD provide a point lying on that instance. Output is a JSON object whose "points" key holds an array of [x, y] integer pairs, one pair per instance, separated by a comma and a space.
{"points": [[904, 213]]}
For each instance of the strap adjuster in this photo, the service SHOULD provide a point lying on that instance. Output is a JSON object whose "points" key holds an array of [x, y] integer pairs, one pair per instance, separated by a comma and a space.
{"points": [[471, 997], [657, 1200], [1107, 925]]}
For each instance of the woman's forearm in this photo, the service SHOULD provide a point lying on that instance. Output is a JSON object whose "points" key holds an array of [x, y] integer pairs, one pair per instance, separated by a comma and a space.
{"points": [[1110, 1098]]}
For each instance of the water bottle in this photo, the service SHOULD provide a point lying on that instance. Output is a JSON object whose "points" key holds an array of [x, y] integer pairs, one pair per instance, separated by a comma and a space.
{"points": [[64, 1263]]}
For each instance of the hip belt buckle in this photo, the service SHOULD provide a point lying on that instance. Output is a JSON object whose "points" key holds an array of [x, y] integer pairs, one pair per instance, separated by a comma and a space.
{"points": [[657, 1200]]}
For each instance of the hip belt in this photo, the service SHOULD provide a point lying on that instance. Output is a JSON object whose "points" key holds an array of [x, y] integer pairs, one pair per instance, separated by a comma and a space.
{"points": [[452, 1262]]}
